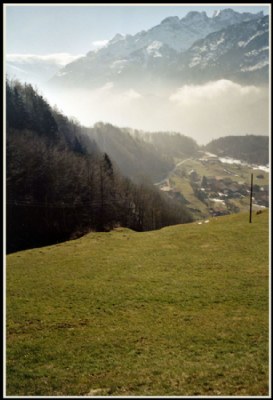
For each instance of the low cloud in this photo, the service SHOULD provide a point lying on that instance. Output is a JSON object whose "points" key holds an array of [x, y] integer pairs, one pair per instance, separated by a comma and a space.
{"points": [[204, 112], [222, 108], [100, 43], [212, 91], [131, 94], [107, 104], [60, 59]]}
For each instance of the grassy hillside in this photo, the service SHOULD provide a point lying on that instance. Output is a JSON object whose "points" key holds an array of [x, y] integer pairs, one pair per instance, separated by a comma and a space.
{"points": [[135, 157], [197, 207], [180, 181], [239, 173], [179, 311]]}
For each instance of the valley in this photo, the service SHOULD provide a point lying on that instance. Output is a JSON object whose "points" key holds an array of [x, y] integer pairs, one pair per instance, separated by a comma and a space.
{"points": [[209, 185], [131, 266]]}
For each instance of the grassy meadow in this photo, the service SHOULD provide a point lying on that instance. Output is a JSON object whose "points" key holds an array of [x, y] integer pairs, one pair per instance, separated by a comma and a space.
{"points": [[238, 173], [181, 311]]}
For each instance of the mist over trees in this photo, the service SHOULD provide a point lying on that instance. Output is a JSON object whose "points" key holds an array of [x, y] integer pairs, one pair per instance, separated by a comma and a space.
{"points": [[60, 185], [136, 158], [142, 155], [172, 144]]}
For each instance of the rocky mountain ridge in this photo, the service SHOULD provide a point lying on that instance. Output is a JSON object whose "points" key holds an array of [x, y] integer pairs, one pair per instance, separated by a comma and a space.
{"points": [[228, 45]]}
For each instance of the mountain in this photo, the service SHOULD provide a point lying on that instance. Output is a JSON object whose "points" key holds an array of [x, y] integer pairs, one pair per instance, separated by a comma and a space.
{"points": [[177, 51], [240, 52], [180, 34]]}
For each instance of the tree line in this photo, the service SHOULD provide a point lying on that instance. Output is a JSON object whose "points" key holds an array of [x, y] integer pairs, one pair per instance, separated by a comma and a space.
{"points": [[60, 185], [253, 149]]}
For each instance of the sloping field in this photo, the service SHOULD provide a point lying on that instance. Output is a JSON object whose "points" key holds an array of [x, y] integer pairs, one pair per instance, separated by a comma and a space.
{"points": [[180, 311]]}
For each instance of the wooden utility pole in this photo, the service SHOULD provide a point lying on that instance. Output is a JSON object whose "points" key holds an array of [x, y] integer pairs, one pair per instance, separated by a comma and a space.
{"points": [[250, 206]]}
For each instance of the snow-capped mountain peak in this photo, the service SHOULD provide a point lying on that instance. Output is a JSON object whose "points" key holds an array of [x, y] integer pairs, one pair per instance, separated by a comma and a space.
{"points": [[215, 13], [225, 14], [236, 49], [153, 48], [226, 44], [231, 17]]}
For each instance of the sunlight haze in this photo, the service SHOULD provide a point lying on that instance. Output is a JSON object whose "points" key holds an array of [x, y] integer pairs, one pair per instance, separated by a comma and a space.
{"points": [[35, 54]]}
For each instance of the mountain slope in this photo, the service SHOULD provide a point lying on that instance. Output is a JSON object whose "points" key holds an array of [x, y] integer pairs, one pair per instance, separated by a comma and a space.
{"points": [[135, 157], [173, 145], [176, 51], [239, 52], [140, 154]]}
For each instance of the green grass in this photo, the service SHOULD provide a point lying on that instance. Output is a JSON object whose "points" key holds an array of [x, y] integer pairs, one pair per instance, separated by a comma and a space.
{"points": [[180, 311], [243, 204], [184, 187]]}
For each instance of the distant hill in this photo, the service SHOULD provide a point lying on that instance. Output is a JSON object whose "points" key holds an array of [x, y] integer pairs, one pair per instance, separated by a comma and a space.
{"points": [[135, 157], [250, 148], [140, 154], [172, 144]]}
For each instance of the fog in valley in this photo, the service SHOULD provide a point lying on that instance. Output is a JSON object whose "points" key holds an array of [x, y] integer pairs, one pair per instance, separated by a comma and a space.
{"points": [[205, 76], [204, 112]]}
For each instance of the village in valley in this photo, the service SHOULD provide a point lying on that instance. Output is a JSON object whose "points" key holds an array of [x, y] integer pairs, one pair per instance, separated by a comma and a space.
{"points": [[213, 186]]}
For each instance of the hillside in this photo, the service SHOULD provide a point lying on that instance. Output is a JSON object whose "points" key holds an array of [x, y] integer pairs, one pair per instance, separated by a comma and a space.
{"points": [[250, 148], [135, 157], [172, 144], [179, 311], [64, 179], [211, 185], [142, 155], [60, 184]]}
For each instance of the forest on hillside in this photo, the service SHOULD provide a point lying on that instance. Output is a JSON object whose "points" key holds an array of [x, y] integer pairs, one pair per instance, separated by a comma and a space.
{"points": [[60, 185], [250, 148], [142, 155], [136, 158]]}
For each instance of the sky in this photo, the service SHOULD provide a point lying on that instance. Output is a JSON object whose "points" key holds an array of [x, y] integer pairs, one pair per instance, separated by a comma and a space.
{"points": [[53, 35], [76, 29]]}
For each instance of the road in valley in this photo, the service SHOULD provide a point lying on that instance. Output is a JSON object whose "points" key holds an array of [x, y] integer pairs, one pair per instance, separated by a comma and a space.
{"points": [[173, 170]]}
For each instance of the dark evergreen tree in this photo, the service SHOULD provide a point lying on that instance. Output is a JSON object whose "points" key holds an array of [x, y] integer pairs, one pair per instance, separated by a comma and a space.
{"points": [[59, 185]]}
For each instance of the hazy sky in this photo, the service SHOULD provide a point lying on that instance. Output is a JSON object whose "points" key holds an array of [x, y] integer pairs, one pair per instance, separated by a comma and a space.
{"points": [[75, 29], [51, 32]]}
